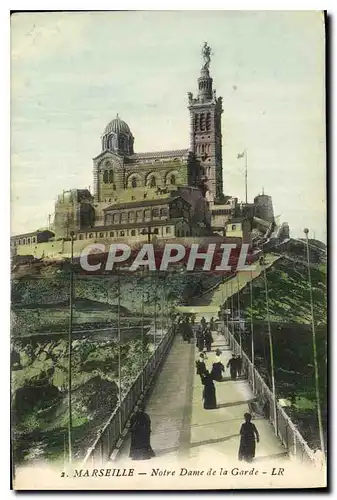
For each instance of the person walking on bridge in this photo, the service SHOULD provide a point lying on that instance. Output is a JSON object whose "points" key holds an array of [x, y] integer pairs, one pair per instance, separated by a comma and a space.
{"points": [[188, 331], [232, 365], [200, 365], [140, 427], [239, 365], [200, 339], [248, 432], [209, 396], [218, 368], [208, 339]]}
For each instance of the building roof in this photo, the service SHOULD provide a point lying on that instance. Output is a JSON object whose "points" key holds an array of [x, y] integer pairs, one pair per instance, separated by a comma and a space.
{"points": [[237, 219], [131, 225], [143, 203], [175, 153], [33, 233], [117, 126]]}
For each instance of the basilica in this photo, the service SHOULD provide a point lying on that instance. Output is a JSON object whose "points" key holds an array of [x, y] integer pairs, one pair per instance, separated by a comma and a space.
{"points": [[151, 195], [166, 193]]}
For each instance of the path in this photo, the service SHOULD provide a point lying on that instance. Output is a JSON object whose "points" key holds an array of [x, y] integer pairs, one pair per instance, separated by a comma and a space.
{"points": [[181, 428]]}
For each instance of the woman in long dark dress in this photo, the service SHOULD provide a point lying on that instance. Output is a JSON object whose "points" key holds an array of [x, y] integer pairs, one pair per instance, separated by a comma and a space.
{"points": [[140, 427], [208, 339], [217, 371], [209, 396], [200, 365], [200, 340], [232, 365], [248, 433]]}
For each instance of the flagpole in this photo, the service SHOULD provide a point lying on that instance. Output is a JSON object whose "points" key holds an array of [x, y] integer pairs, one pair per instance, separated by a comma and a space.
{"points": [[246, 175], [252, 327]]}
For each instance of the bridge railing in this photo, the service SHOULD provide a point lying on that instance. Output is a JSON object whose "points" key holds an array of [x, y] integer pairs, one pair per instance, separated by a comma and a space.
{"points": [[284, 428], [112, 431]]}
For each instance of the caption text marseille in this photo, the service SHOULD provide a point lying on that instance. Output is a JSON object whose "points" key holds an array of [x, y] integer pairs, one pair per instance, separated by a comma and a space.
{"points": [[172, 254]]}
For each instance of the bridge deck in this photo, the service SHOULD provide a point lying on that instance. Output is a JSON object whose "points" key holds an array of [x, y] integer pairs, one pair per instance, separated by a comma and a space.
{"points": [[181, 428], [209, 303]]}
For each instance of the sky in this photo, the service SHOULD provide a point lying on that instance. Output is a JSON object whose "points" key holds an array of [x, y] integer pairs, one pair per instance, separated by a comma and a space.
{"points": [[71, 73]]}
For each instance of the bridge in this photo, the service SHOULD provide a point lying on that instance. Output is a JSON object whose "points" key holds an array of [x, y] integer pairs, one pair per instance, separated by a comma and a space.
{"points": [[181, 428]]}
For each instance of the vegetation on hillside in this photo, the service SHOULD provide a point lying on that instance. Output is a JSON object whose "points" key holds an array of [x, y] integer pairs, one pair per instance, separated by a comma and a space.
{"points": [[40, 310], [290, 320]]}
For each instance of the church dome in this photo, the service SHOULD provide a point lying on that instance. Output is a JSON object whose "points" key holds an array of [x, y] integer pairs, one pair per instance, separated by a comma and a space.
{"points": [[117, 126], [117, 137]]}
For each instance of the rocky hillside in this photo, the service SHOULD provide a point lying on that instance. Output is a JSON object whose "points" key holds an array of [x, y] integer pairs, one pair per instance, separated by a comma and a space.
{"points": [[290, 317]]}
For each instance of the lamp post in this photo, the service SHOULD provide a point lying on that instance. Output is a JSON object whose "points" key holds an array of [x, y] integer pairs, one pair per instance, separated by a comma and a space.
{"points": [[155, 311], [162, 307], [232, 309], [142, 330], [239, 316], [70, 334], [252, 327], [148, 233], [119, 353], [318, 400], [271, 350]]}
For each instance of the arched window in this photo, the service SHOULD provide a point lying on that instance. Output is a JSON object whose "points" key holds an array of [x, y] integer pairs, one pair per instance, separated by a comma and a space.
{"points": [[131, 216], [28, 241], [196, 122], [139, 215], [173, 180], [112, 142], [147, 214], [203, 148], [163, 212], [111, 234], [106, 177], [116, 218], [101, 235], [155, 212], [208, 121], [122, 233], [153, 182], [111, 177], [202, 122], [133, 232], [91, 235], [134, 182], [80, 236], [124, 216]]}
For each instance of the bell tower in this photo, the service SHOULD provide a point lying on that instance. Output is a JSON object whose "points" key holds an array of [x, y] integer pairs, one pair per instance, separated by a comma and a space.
{"points": [[205, 128]]}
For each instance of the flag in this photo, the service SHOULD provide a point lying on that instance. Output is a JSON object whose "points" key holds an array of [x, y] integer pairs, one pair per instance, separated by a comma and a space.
{"points": [[241, 155]]}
